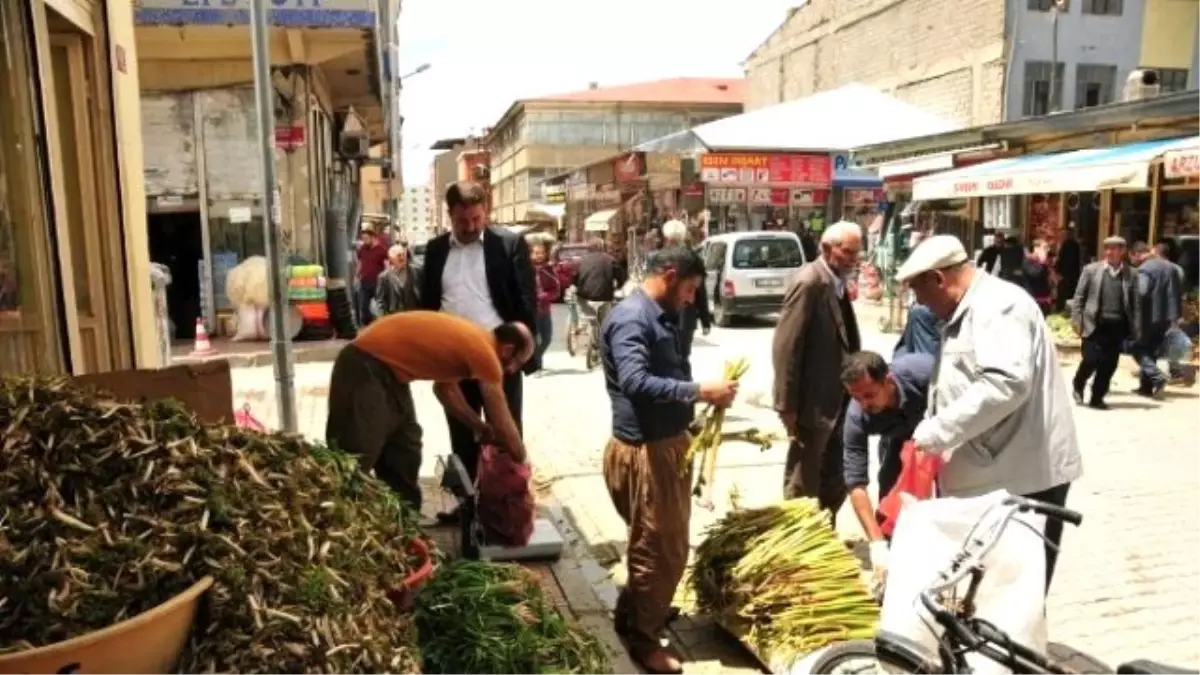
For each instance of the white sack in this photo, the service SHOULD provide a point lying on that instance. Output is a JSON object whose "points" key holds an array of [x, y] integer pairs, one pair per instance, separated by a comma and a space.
{"points": [[1011, 596], [246, 284], [249, 324]]}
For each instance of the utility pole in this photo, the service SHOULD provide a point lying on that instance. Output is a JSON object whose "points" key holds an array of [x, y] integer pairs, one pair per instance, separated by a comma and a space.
{"points": [[281, 342], [1056, 6]]}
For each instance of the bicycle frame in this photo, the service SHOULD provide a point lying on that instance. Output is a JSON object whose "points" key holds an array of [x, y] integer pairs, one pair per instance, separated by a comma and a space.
{"points": [[964, 633]]}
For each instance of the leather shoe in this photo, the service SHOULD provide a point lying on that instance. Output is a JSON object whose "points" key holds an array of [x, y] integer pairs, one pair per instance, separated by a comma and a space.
{"points": [[1098, 405], [658, 660]]}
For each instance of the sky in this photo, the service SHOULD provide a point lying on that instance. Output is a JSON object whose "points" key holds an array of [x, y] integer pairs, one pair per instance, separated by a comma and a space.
{"points": [[485, 54]]}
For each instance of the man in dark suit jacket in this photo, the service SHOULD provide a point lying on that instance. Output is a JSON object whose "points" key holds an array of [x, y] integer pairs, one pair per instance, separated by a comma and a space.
{"points": [[482, 274], [1159, 294], [817, 329], [1105, 313]]}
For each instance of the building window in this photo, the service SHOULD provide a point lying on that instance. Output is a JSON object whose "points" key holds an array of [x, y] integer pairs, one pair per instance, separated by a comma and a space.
{"points": [[1040, 5], [1172, 79], [1094, 85], [1104, 7], [1038, 98]]}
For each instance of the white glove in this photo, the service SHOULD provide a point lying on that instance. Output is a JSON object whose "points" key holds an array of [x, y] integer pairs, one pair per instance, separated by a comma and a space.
{"points": [[879, 555]]}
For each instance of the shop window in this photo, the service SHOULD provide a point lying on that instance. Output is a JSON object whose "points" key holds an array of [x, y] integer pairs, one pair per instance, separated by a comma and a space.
{"points": [[28, 331], [1104, 7], [1040, 5], [1039, 99], [1172, 79], [1094, 84]]}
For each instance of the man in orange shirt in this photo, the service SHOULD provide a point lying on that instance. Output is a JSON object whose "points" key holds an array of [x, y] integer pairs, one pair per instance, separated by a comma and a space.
{"points": [[371, 411]]}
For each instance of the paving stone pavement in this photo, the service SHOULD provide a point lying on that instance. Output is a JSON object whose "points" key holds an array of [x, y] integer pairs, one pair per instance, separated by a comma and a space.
{"points": [[1128, 580]]}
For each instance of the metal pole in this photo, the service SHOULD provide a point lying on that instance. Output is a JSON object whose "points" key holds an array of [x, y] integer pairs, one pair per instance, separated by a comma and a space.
{"points": [[1050, 105], [281, 344]]}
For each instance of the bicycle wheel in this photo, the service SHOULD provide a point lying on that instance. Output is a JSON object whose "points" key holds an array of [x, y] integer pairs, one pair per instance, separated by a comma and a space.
{"points": [[853, 656], [571, 337]]}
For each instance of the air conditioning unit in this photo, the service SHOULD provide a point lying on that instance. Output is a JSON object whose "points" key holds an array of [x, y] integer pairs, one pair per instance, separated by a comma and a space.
{"points": [[1142, 83], [354, 147]]}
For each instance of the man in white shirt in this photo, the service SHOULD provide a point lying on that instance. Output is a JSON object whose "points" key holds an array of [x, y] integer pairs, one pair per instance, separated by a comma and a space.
{"points": [[482, 274], [999, 409]]}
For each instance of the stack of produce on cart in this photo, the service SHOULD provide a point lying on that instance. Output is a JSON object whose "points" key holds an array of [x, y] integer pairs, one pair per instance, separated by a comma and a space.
{"points": [[110, 509], [780, 579], [478, 617]]}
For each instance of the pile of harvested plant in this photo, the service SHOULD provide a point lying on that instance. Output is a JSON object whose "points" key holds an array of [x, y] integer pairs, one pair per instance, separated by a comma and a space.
{"points": [[108, 509], [781, 576], [476, 617]]}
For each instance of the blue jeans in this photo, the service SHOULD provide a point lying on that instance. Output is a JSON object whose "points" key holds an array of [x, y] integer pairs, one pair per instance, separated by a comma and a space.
{"points": [[545, 332]]}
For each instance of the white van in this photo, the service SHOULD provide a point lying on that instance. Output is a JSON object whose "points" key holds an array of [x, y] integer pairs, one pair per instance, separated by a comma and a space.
{"points": [[748, 272]]}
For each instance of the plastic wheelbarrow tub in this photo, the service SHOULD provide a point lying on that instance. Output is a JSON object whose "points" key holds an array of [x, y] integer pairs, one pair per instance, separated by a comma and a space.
{"points": [[150, 642]]}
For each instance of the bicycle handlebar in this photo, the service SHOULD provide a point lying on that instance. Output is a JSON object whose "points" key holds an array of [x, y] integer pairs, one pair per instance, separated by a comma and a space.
{"points": [[1049, 510]]}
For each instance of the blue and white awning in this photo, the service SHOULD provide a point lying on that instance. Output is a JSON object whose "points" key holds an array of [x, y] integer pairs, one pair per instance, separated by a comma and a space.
{"points": [[1123, 166]]}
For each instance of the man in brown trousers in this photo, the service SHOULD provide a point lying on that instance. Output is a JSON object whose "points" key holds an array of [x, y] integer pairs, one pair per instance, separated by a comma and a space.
{"points": [[817, 329], [644, 464]]}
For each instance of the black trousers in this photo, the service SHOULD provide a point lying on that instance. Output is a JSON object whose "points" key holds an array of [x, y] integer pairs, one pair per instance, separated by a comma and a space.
{"points": [[462, 439], [372, 416], [1057, 496], [1101, 354], [365, 294], [1146, 351]]}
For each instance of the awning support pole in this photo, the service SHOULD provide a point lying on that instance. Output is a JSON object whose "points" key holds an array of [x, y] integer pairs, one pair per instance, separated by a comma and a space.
{"points": [[281, 343], [1155, 202]]}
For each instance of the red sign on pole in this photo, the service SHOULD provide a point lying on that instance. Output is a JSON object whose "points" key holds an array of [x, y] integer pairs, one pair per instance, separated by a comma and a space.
{"points": [[289, 137]]}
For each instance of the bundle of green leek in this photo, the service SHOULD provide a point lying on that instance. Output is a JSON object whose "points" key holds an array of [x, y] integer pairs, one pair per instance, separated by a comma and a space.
{"points": [[782, 578], [709, 437]]}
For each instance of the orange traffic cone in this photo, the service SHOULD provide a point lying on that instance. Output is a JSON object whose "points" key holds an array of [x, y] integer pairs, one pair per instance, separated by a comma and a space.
{"points": [[202, 347]]}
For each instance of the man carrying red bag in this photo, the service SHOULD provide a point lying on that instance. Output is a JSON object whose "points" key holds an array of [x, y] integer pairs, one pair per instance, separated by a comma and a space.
{"points": [[888, 402]]}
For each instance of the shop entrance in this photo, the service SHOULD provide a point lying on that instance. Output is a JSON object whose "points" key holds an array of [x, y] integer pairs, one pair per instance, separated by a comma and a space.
{"points": [[175, 241]]}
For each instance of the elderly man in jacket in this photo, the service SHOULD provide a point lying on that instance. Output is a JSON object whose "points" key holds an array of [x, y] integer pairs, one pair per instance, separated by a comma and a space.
{"points": [[1106, 313], [999, 410], [817, 330], [1161, 302]]}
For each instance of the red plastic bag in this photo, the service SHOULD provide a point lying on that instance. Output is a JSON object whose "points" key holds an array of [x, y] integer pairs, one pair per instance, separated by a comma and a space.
{"points": [[918, 478], [505, 504], [246, 420]]}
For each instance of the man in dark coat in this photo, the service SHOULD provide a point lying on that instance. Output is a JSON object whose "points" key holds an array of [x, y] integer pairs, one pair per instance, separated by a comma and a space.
{"points": [[1067, 264], [1158, 290]]}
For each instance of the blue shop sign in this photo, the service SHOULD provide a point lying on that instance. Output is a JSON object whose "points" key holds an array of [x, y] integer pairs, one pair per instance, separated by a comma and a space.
{"points": [[288, 13]]}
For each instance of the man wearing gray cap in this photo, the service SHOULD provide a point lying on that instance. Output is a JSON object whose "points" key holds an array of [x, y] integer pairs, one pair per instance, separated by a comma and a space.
{"points": [[1105, 313], [999, 410]]}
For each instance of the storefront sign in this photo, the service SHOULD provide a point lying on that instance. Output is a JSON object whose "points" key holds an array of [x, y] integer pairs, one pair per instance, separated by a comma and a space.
{"points": [[292, 13], [760, 195], [863, 196], [554, 194], [1182, 163], [808, 170], [724, 195], [780, 196], [802, 197], [693, 190], [628, 169], [289, 137]]}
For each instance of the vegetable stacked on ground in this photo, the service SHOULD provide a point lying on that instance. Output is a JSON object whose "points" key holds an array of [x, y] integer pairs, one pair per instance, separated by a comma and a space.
{"points": [[476, 617], [781, 575], [109, 509]]}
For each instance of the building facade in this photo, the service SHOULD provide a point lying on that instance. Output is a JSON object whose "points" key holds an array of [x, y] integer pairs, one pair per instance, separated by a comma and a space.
{"points": [[416, 209], [545, 137], [75, 288], [980, 61], [204, 191]]}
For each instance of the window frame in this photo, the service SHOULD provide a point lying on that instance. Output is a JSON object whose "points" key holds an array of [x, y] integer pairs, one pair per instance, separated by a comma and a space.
{"points": [[1104, 7], [1054, 99]]}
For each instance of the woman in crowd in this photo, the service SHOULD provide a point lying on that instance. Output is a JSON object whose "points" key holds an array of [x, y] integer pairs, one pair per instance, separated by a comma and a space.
{"points": [[547, 292]]}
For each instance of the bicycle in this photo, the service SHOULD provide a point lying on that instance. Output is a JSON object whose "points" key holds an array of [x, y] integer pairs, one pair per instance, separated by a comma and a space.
{"points": [[966, 633], [584, 325]]}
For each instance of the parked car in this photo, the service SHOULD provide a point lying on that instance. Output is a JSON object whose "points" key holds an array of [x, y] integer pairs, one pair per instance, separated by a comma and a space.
{"points": [[749, 272], [565, 260]]}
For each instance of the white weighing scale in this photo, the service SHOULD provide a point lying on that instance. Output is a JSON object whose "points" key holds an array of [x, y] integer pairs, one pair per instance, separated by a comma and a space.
{"points": [[545, 543]]}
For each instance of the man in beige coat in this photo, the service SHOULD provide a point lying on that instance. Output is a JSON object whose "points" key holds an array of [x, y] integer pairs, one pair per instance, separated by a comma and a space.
{"points": [[817, 329]]}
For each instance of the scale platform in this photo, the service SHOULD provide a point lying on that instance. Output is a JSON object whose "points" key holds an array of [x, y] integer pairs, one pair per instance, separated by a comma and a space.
{"points": [[546, 544]]}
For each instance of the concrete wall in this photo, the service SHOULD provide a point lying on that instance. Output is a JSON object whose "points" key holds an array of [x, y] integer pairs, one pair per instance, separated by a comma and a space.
{"points": [[1168, 38], [945, 55], [1082, 38]]}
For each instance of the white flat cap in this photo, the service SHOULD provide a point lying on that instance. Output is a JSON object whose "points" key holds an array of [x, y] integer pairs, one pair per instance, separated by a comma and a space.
{"points": [[935, 253]]}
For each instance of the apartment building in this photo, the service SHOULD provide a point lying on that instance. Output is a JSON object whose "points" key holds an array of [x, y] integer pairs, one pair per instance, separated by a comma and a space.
{"points": [[416, 213], [977, 61], [544, 137]]}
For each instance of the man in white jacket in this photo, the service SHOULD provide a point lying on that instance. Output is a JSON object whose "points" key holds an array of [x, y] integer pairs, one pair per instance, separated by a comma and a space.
{"points": [[1000, 412]]}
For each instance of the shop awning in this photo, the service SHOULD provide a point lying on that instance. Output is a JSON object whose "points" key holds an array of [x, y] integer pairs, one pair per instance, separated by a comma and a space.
{"points": [[598, 221], [1123, 166]]}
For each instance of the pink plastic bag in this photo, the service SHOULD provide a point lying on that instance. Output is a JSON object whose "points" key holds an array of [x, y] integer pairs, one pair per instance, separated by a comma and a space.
{"points": [[246, 420], [505, 505]]}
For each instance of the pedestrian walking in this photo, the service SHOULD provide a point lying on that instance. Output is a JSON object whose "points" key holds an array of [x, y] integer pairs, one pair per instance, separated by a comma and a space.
{"points": [[372, 256], [547, 289], [1161, 305], [1068, 261], [889, 402], [371, 412], [645, 462], [817, 330], [397, 290], [481, 274], [999, 410], [1036, 273], [1105, 314], [920, 335]]}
